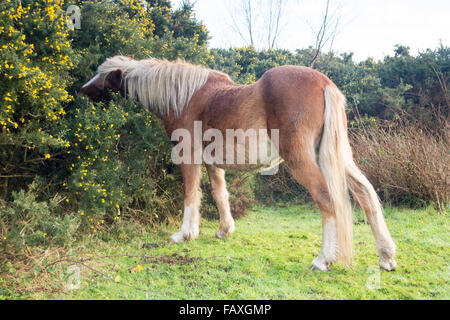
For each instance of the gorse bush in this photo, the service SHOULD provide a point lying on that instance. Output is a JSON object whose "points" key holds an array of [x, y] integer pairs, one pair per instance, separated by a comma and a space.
{"points": [[121, 164], [35, 61], [102, 162]]}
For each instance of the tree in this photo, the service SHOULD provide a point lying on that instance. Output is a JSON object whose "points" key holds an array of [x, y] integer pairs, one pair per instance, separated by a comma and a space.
{"points": [[326, 32], [275, 14], [257, 23]]}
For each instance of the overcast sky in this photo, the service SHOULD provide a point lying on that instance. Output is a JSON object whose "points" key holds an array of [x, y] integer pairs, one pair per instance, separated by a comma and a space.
{"points": [[369, 28]]}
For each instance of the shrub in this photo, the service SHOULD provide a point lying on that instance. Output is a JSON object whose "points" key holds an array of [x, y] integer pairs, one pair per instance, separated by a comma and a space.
{"points": [[28, 222], [121, 165], [35, 60], [104, 160], [281, 187], [407, 164]]}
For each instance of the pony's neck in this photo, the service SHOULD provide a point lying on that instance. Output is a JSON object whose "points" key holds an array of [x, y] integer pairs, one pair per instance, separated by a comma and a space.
{"points": [[162, 86]]}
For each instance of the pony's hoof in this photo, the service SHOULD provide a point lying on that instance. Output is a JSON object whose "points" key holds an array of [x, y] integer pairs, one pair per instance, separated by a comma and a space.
{"points": [[388, 264], [220, 234], [320, 265], [225, 232], [183, 235], [177, 238], [386, 260]]}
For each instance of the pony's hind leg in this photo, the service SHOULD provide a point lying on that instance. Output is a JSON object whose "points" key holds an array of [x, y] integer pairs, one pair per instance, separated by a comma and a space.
{"points": [[305, 170], [311, 178], [192, 195], [364, 193], [220, 195]]}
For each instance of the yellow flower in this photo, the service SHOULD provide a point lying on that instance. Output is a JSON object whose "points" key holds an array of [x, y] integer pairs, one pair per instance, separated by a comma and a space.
{"points": [[47, 156], [138, 268]]}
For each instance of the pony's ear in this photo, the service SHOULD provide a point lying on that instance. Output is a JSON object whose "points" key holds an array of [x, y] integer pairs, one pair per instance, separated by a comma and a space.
{"points": [[114, 79], [131, 56]]}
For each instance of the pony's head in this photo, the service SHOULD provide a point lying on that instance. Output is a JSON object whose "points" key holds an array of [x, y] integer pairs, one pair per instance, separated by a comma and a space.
{"points": [[158, 85], [109, 78]]}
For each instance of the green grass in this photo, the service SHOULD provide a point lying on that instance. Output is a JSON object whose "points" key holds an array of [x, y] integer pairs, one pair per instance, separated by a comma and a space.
{"points": [[268, 257]]}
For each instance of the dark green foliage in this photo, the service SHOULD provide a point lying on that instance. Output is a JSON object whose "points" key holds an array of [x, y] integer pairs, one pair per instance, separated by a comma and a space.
{"points": [[402, 85], [426, 75], [30, 222]]}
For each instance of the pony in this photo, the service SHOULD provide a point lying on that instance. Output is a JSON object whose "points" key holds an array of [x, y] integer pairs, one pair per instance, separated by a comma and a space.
{"points": [[303, 105]]}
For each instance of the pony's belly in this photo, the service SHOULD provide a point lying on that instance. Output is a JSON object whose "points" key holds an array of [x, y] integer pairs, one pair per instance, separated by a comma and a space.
{"points": [[245, 155], [240, 167], [263, 168]]}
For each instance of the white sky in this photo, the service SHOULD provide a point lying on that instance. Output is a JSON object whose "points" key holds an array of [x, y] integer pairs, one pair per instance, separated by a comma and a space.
{"points": [[369, 28]]}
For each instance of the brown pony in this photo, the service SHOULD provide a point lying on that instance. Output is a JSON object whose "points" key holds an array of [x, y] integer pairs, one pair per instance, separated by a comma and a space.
{"points": [[303, 105]]}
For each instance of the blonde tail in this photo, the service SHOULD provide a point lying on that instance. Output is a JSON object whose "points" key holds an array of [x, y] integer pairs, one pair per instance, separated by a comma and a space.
{"points": [[335, 158]]}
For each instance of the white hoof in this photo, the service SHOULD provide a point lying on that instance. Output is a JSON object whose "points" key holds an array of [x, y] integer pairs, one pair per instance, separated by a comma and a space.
{"points": [[387, 264], [177, 237], [387, 261], [182, 236], [225, 232], [319, 264]]}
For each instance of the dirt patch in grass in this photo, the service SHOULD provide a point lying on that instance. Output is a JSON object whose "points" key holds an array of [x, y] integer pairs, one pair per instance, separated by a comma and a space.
{"points": [[174, 259]]}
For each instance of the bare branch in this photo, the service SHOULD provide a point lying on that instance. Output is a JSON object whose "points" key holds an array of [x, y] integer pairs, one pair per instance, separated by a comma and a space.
{"points": [[326, 33], [257, 23]]}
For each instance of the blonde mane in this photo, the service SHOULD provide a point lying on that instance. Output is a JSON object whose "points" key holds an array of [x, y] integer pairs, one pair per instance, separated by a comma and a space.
{"points": [[158, 84]]}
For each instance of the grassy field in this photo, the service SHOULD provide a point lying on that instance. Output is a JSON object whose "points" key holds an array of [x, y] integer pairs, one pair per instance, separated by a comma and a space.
{"points": [[268, 257]]}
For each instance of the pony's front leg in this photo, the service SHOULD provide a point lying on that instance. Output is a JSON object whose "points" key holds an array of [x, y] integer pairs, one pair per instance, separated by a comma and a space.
{"points": [[220, 195], [192, 195]]}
